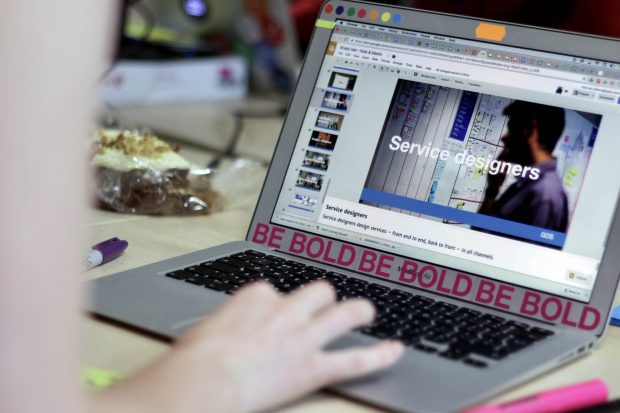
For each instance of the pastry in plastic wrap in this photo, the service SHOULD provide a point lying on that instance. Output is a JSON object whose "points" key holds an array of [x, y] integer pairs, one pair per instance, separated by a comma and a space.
{"points": [[140, 173]]}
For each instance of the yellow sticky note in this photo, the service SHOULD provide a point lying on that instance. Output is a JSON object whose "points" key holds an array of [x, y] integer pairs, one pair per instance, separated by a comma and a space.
{"points": [[97, 379], [325, 24], [488, 31]]}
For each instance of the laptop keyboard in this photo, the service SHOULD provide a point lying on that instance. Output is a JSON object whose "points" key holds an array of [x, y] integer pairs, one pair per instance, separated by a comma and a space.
{"points": [[452, 332]]}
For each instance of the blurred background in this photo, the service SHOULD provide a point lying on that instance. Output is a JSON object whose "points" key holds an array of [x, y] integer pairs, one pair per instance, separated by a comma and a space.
{"points": [[197, 71]]}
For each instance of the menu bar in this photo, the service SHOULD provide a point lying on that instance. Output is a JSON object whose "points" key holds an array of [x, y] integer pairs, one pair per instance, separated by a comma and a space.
{"points": [[590, 71]]}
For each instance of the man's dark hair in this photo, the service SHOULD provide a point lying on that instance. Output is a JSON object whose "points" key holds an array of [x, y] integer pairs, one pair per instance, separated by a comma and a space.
{"points": [[549, 119]]}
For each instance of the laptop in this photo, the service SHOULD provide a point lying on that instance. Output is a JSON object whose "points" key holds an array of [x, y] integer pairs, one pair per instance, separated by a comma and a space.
{"points": [[461, 174]]}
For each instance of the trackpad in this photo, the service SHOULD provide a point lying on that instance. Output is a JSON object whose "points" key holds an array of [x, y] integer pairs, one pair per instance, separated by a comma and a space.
{"points": [[206, 308], [349, 341]]}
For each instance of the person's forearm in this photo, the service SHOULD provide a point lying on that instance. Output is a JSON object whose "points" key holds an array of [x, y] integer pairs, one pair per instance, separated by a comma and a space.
{"points": [[175, 376], [51, 57]]}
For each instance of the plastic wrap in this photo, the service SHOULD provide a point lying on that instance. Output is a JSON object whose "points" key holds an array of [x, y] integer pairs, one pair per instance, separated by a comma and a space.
{"points": [[141, 174]]}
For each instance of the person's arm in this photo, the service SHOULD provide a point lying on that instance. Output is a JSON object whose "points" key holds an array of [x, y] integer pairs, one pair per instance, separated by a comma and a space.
{"points": [[259, 351], [51, 54]]}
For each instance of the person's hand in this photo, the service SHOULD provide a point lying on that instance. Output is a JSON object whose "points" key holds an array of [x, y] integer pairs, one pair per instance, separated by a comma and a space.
{"points": [[258, 351]]}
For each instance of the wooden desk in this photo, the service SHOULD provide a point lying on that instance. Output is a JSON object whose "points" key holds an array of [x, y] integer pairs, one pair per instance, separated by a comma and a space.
{"points": [[152, 239]]}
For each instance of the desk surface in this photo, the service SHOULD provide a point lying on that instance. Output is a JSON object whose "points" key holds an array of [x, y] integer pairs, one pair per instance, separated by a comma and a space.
{"points": [[153, 239]]}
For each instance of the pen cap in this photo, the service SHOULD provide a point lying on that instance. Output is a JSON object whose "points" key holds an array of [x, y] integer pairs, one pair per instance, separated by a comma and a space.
{"points": [[577, 396], [563, 399], [111, 248]]}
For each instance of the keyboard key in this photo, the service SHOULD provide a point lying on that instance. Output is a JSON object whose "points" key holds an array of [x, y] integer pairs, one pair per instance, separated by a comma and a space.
{"points": [[522, 334], [425, 348], [441, 313], [493, 318], [409, 341], [420, 323], [263, 261], [217, 285], [285, 286], [438, 338], [195, 269], [382, 332], [232, 261], [540, 332], [238, 280], [410, 331], [256, 268], [206, 271], [400, 295], [420, 298], [512, 323], [492, 352], [197, 280], [464, 344], [468, 312], [248, 275], [516, 344], [222, 267], [232, 288], [355, 283], [332, 276], [243, 256], [308, 273], [443, 308], [454, 354], [424, 305], [180, 275], [475, 363], [255, 253], [377, 289], [446, 321]]}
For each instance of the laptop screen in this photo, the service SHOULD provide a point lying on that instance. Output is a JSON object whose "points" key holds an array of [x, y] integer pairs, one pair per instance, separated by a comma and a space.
{"points": [[490, 159]]}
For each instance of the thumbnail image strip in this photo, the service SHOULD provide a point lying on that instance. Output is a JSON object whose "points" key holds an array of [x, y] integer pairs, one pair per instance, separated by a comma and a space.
{"points": [[316, 160], [309, 180], [323, 140], [304, 202], [331, 121], [342, 81], [336, 101]]}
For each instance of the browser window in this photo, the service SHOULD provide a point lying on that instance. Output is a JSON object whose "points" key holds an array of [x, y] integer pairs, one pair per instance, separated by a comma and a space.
{"points": [[493, 160]]}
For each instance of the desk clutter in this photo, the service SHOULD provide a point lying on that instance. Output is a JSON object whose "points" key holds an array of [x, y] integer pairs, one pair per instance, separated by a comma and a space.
{"points": [[138, 173], [98, 379]]}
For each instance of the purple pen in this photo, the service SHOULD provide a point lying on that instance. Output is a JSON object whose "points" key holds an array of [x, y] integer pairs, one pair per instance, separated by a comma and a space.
{"points": [[104, 251]]}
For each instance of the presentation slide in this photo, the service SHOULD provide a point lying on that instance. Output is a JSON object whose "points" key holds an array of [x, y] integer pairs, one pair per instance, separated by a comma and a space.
{"points": [[487, 163]]}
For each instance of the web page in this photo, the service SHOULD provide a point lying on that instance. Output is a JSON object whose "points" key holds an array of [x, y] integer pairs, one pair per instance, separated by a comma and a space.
{"points": [[499, 165]]}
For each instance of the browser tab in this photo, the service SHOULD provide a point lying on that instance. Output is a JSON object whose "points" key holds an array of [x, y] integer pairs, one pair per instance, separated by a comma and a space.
{"points": [[607, 98], [583, 94]]}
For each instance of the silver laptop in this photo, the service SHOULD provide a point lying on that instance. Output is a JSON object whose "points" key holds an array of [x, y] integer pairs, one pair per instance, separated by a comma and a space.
{"points": [[461, 174]]}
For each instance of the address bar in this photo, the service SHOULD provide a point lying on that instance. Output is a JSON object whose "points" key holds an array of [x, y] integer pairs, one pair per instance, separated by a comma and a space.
{"points": [[495, 64]]}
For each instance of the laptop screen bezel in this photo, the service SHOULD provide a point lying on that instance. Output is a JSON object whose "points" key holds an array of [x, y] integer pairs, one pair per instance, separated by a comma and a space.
{"points": [[546, 40]]}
